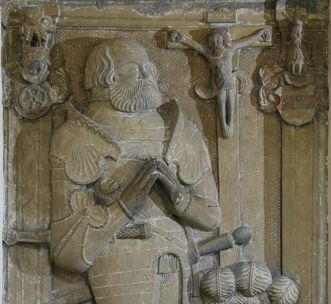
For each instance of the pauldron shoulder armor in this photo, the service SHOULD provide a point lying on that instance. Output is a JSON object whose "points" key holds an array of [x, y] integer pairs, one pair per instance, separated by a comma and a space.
{"points": [[82, 145]]}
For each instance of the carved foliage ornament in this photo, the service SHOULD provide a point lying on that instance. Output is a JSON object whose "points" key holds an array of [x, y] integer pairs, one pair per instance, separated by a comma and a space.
{"points": [[247, 283]]}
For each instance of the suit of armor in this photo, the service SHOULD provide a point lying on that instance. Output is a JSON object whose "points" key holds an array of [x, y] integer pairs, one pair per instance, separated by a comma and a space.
{"points": [[129, 260], [131, 178]]}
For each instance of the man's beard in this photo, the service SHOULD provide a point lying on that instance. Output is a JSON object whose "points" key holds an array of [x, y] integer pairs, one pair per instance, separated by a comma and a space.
{"points": [[144, 96]]}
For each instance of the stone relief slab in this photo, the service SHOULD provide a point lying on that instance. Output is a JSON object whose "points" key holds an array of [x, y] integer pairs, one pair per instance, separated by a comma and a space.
{"points": [[113, 192]]}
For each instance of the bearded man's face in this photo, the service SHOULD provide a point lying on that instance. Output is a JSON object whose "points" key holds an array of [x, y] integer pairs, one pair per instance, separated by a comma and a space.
{"points": [[135, 84]]}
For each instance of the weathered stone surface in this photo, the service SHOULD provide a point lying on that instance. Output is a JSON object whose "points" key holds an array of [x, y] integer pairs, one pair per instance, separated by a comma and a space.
{"points": [[117, 171]]}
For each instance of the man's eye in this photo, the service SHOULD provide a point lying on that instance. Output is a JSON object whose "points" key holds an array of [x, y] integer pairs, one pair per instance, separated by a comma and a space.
{"points": [[150, 68]]}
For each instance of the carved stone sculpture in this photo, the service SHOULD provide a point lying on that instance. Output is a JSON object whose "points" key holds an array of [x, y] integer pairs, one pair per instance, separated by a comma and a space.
{"points": [[130, 176], [218, 285], [37, 27], [135, 216], [283, 290], [27, 87], [131, 182], [289, 85], [247, 283], [295, 58], [223, 82]]}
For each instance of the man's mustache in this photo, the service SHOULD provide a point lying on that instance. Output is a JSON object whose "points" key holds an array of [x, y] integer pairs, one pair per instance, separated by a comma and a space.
{"points": [[143, 83]]}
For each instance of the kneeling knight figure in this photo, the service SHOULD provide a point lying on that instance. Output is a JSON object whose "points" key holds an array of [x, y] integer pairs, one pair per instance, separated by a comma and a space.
{"points": [[131, 180]]}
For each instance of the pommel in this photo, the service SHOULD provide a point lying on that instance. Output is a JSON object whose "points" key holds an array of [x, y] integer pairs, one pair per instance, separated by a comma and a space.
{"points": [[242, 235]]}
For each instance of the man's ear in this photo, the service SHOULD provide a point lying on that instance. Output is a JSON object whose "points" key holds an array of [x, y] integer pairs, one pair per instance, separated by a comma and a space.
{"points": [[112, 79]]}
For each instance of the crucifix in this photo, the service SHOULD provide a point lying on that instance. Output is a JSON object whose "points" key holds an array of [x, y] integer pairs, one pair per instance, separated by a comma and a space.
{"points": [[223, 84]]}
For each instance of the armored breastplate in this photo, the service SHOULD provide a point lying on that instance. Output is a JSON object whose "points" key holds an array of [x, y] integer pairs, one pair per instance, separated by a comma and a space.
{"points": [[141, 134]]}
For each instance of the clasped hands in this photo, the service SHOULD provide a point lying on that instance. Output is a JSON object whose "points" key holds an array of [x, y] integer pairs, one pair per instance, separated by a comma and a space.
{"points": [[133, 197]]}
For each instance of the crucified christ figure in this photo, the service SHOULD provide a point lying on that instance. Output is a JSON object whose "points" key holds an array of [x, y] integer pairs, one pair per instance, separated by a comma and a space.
{"points": [[223, 82]]}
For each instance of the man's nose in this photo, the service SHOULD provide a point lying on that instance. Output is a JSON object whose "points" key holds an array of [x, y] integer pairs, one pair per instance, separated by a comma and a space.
{"points": [[143, 74]]}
